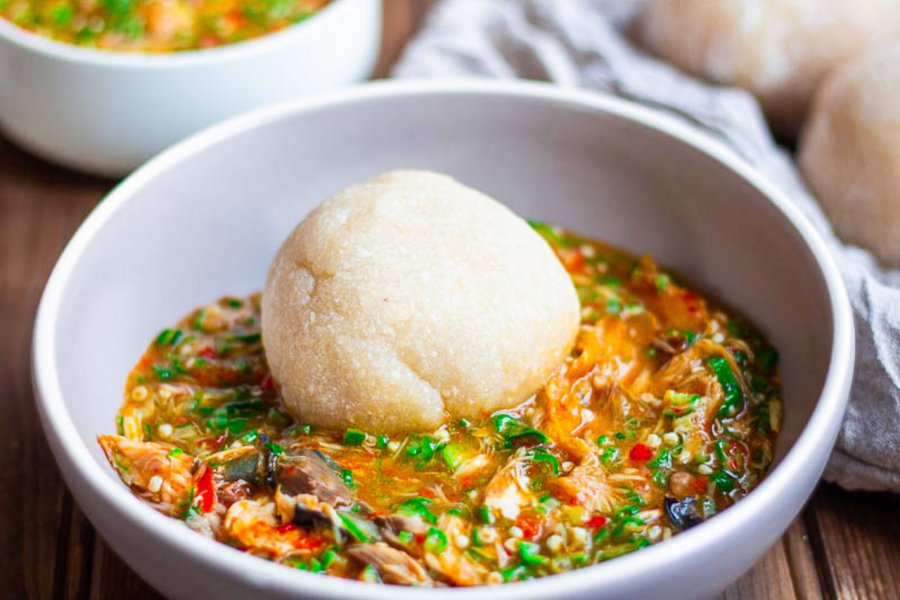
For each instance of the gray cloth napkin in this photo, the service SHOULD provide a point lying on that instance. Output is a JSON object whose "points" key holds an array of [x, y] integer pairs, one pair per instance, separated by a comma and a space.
{"points": [[582, 43]]}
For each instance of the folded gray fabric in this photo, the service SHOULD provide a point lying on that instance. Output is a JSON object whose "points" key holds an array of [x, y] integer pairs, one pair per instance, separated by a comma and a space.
{"points": [[581, 43]]}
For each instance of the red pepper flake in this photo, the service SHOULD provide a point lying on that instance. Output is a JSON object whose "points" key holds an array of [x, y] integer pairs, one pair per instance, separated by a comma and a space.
{"points": [[268, 383], [286, 528], [208, 352], [700, 484], [206, 493], [640, 452], [308, 542], [574, 261], [529, 525], [596, 522], [427, 493]]}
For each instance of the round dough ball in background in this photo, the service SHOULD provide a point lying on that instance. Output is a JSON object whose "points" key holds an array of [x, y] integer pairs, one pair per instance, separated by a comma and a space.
{"points": [[409, 299], [850, 152], [777, 49]]}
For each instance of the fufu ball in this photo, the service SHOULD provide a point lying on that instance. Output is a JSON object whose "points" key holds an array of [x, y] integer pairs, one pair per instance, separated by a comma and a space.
{"points": [[410, 300]]}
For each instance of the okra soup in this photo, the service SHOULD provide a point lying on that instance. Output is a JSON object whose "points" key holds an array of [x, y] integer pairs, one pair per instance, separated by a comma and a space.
{"points": [[255, 420], [156, 25]]}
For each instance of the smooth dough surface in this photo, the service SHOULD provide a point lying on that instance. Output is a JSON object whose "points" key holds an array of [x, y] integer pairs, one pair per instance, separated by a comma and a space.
{"points": [[778, 49], [409, 299], [850, 152]]}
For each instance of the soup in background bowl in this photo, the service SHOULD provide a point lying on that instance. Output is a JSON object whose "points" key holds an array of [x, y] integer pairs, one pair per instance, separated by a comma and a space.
{"points": [[105, 111], [206, 218]]}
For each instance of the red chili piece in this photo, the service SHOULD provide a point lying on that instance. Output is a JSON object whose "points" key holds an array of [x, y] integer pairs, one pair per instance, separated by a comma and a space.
{"points": [[286, 528], [596, 522], [640, 452], [206, 493]]}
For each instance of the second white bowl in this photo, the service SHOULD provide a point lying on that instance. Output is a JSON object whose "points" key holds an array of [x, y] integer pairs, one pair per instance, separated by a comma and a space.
{"points": [[106, 112]]}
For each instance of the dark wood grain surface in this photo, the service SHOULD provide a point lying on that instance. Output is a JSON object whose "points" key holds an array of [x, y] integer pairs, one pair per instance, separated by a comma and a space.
{"points": [[844, 545]]}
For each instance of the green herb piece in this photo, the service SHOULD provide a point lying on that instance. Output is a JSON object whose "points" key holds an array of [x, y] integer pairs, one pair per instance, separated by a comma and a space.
{"points": [[275, 448], [720, 452], [62, 14], [347, 477], [613, 306], [175, 452], [476, 537], [354, 437], [487, 517], [369, 574], [541, 456], [422, 447], [315, 566], [530, 554], [242, 366], [723, 481], [550, 234], [296, 430], [661, 281], [514, 573], [163, 373], [679, 404], [453, 455], [609, 455], [513, 430], [405, 537], [197, 323], [354, 529], [249, 338], [250, 437], [734, 397], [435, 541], [382, 442], [168, 337], [663, 460], [120, 427], [234, 303], [328, 557], [417, 507], [237, 426]]}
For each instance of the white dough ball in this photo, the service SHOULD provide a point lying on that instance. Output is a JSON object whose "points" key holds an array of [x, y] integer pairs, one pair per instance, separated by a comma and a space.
{"points": [[778, 49], [850, 152], [412, 299]]}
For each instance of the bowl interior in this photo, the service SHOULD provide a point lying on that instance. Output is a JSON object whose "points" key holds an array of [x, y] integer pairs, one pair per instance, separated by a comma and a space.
{"points": [[208, 224]]}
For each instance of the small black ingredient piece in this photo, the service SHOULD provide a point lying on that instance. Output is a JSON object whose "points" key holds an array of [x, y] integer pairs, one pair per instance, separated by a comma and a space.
{"points": [[683, 514]]}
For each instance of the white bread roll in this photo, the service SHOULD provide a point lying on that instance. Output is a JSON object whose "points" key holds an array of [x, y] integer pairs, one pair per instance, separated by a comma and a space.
{"points": [[850, 152], [411, 299], [777, 49]]}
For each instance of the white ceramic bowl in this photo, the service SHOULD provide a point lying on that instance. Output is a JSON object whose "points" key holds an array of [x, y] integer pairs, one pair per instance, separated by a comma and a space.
{"points": [[106, 112], [205, 218]]}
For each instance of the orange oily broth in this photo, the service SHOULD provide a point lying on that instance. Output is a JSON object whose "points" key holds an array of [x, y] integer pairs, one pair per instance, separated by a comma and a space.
{"points": [[665, 414]]}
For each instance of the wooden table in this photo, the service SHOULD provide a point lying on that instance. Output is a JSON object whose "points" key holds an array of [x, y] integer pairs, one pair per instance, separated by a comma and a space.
{"points": [[843, 545]]}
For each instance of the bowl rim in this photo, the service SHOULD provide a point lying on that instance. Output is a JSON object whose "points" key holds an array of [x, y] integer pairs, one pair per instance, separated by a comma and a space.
{"points": [[821, 428], [72, 53]]}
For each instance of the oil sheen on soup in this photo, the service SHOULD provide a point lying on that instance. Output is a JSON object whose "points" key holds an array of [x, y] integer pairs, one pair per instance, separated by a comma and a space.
{"points": [[664, 414]]}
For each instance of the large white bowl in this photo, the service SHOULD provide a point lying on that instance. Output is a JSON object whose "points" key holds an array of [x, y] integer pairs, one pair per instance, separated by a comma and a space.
{"points": [[205, 218], [106, 112]]}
